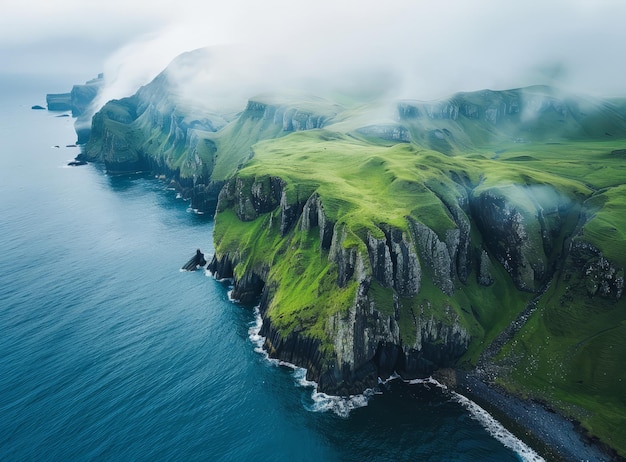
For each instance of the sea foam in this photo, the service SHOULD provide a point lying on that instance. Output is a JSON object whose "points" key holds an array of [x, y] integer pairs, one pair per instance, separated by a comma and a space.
{"points": [[497, 430]]}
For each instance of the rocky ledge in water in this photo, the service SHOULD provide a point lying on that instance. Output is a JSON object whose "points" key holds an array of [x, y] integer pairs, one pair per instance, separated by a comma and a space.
{"points": [[197, 261]]}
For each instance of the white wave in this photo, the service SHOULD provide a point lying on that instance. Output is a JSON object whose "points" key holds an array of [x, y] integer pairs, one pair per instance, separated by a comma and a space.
{"points": [[321, 402], [196, 211], [427, 380], [299, 375], [340, 405], [254, 334], [210, 274], [179, 196], [230, 296], [495, 429]]}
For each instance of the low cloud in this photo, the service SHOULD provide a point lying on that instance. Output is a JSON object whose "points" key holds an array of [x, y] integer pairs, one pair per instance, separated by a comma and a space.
{"points": [[415, 49]]}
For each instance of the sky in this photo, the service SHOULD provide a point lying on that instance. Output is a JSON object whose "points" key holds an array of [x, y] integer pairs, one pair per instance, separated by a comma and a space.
{"points": [[422, 48]]}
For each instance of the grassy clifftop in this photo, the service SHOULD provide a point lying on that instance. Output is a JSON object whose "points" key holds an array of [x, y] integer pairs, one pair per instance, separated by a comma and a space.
{"points": [[409, 239], [565, 195]]}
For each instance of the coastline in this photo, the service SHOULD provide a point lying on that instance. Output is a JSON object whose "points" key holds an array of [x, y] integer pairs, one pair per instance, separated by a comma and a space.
{"points": [[552, 435]]}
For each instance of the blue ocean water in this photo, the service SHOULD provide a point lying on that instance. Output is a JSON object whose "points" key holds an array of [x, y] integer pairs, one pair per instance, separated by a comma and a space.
{"points": [[109, 352]]}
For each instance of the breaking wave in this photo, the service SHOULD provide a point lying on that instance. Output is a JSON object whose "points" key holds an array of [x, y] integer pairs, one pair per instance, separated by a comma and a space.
{"points": [[495, 429]]}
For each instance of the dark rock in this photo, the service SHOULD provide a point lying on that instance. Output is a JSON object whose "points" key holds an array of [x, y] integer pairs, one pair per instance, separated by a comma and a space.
{"points": [[222, 267], [380, 260], [197, 261], [599, 276], [407, 273], [37, 107], [345, 258], [313, 214], [248, 289], [76, 163], [436, 255], [59, 101], [250, 198], [505, 229], [484, 270], [289, 213]]}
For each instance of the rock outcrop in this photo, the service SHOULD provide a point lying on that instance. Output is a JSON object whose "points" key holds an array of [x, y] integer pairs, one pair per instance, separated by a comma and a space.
{"points": [[59, 101], [197, 261], [290, 118], [590, 270]]}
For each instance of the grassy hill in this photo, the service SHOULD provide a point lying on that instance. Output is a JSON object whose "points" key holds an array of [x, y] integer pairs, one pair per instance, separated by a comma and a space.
{"points": [[409, 235], [568, 354]]}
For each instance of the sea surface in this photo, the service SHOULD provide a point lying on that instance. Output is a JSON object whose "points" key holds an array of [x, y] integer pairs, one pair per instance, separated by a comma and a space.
{"points": [[109, 352]]}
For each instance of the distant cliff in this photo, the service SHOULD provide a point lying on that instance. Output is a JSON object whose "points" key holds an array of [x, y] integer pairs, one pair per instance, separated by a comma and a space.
{"points": [[193, 146], [79, 101], [411, 240]]}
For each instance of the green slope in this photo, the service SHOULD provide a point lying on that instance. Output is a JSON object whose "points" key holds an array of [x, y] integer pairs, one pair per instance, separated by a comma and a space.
{"points": [[569, 354], [538, 177]]}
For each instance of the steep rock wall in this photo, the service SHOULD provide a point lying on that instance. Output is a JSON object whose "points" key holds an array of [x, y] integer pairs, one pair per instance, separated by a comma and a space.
{"points": [[364, 342]]}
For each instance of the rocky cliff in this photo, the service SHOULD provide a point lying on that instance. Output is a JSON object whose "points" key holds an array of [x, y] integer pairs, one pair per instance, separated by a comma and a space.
{"points": [[387, 297], [79, 100], [365, 337], [408, 245], [161, 131]]}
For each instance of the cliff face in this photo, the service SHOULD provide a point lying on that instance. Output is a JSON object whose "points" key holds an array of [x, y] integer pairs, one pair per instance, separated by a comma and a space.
{"points": [[385, 325], [407, 245], [158, 131], [521, 115], [354, 301]]}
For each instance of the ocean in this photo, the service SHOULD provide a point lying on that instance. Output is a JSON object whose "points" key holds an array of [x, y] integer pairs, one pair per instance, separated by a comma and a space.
{"points": [[109, 352]]}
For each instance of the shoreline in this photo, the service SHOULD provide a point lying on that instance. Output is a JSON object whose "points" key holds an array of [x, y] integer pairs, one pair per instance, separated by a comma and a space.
{"points": [[552, 435]]}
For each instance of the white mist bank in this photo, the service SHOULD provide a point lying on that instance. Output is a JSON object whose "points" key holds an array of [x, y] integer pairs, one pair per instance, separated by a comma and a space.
{"points": [[420, 50]]}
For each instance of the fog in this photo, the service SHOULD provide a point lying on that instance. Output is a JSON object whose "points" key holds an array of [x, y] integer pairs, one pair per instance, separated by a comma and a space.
{"points": [[410, 49]]}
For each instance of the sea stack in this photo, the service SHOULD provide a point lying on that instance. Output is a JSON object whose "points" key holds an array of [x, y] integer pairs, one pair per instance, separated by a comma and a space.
{"points": [[197, 261]]}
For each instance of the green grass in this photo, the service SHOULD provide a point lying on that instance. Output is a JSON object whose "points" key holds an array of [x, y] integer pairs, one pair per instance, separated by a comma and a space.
{"points": [[607, 227], [365, 185], [570, 354], [585, 162], [548, 167], [360, 184]]}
